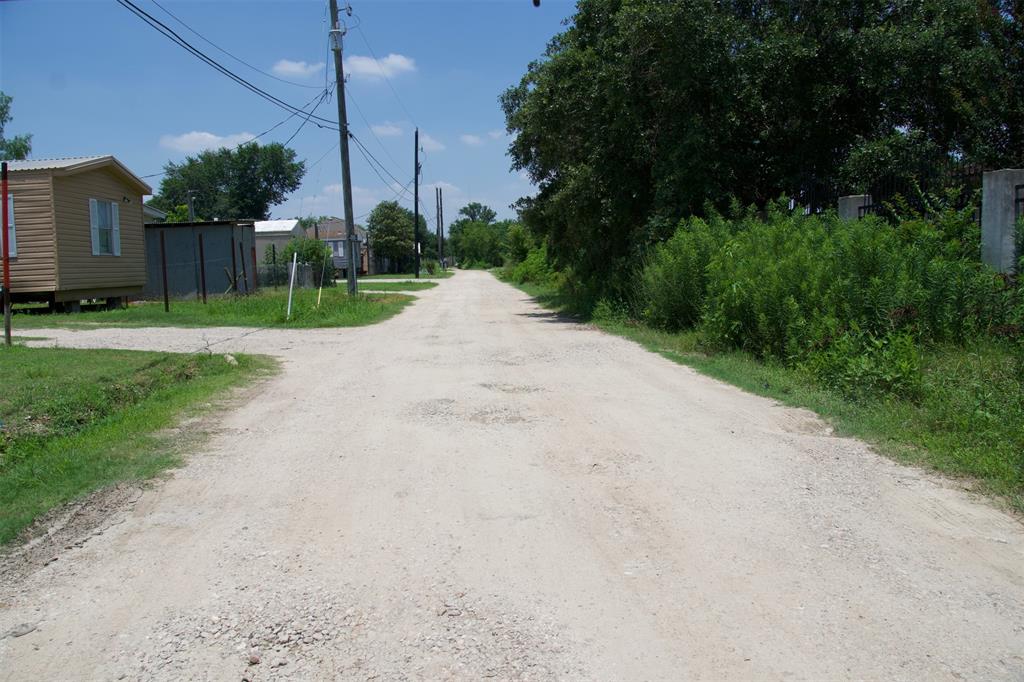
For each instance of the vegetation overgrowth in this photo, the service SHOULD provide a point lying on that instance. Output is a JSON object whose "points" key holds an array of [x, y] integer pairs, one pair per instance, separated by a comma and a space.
{"points": [[267, 308], [897, 331], [642, 112], [73, 421]]}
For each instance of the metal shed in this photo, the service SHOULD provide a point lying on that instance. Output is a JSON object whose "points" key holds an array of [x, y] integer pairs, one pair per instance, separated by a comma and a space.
{"points": [[222, 251]]}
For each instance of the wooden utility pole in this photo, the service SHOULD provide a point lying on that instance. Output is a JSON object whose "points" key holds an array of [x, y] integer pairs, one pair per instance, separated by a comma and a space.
{"points": [[437, 211], [416, 200], [4, 225], [440, 240], [337, 33]]}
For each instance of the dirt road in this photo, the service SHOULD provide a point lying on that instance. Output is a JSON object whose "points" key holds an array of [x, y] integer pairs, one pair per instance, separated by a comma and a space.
{"points": [[513, 496]]}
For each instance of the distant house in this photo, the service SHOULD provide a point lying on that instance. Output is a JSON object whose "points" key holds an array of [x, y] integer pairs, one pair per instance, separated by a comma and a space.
{"points": [[334, 233], [153, 215], [77, 230], [276, 232]]}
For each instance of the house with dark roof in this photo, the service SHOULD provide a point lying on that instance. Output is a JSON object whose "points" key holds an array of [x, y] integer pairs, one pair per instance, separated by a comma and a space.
{"points": [[76, 230]]}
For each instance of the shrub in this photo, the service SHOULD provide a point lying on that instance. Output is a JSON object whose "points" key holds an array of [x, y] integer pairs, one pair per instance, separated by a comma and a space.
{"points": [[534, 269], [862, 365], [792, 283], [672, 284], [430, 265]]}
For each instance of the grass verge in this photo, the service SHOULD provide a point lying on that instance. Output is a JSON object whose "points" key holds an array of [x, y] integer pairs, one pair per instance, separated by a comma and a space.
{"points": [[440, 274], [264, 309], [966, 424], [398, 286], [74, 421]]}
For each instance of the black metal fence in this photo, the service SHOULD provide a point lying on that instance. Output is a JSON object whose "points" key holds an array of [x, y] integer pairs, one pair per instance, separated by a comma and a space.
{"points": [[957, 184]]}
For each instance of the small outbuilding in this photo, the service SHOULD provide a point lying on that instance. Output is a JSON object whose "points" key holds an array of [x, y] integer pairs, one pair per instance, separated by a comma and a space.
{"points": [[76, 230], [214, 256], [276, 232]]}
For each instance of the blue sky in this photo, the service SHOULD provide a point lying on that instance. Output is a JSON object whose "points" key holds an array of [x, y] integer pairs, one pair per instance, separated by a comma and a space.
{"points": [[88, 77]]}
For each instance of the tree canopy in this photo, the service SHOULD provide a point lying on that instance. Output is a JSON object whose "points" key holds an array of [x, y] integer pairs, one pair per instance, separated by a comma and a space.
{"points": [[232, 184], [391, 235], [11, 148], [643, 111]]}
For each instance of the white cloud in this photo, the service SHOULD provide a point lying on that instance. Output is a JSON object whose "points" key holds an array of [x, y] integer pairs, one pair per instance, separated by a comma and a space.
{"points": [[286, 68], [429, 144], [496, 134], [471, 140], [386, 129], [375, 69], [446, 186], [197, 141]]}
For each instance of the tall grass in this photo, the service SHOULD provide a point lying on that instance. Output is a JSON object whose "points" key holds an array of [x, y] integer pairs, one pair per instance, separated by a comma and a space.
{"points": [[72, 421], [266, 308]]}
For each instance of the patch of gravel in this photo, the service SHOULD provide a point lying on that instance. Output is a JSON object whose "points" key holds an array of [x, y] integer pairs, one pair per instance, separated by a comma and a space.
{"points": [[322, 632]]}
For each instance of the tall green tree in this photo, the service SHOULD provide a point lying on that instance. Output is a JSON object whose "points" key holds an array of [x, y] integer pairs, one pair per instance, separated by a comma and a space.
{"points": [[242, 183], [11, 148], [477, 212], [644, 111], [390, 231]]}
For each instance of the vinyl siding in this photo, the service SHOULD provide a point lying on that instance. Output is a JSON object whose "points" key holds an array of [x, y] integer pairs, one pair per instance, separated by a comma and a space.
{"points": [[79, 269], [33, 270]]}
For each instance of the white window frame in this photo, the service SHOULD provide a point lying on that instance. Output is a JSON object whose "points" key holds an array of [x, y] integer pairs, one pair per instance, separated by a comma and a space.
{"points": [[12, 235], [95, 205]]}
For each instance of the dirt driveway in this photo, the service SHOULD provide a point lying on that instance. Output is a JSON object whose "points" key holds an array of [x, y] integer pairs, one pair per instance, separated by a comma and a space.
{"points": [[513, 496]]}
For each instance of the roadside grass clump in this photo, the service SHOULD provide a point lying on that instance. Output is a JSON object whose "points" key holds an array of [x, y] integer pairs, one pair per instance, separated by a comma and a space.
{"points": [[375, 286], [437, 274], [267, 308], [74, 421]]}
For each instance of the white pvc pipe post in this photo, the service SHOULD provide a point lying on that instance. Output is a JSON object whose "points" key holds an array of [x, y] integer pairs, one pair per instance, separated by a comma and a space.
{"points": [[291, 286]]}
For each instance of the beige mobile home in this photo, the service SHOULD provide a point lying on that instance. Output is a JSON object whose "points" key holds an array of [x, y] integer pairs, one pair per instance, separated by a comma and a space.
{"points": [[77, 230]]}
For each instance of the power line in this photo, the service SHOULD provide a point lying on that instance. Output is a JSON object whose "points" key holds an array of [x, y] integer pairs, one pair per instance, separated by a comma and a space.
{"points": [[376, 172], [253, 139], [370, 128], [176, 38], [367, 155], [325, 95], [222, 50]]}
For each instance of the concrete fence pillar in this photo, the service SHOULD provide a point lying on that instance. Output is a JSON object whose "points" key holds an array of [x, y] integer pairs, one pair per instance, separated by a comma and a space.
{"points": [[850, 206], [1002, 204]]}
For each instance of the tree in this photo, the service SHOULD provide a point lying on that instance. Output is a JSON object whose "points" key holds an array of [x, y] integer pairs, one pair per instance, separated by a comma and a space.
{"points": [[17, 147], [647, 111], [232, 184], [177, 214], [310, 222], [477, 212], [391, 235], [313, 252]]}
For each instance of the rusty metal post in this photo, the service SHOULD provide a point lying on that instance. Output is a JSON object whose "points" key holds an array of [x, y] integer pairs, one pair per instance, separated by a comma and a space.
{"points": [[234, 267], [245, 278], [255, 270], [6, 254]]}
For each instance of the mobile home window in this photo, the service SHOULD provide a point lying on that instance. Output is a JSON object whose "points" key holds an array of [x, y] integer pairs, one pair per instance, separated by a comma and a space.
{"points": [[12, 240], [105, 223]]}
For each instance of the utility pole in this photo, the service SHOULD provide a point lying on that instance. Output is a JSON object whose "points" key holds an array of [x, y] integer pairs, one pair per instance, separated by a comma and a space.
{"points": [[437, 203], [346, 178], [440, 238], [5, 226], [191, 206], [416, 200]]}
